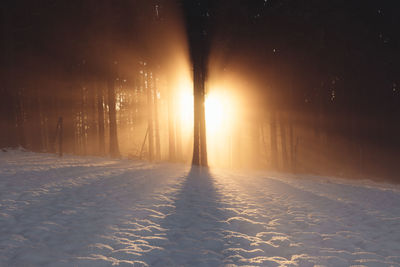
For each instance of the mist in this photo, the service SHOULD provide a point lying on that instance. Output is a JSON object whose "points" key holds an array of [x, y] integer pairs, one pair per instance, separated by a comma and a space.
{"points": [[304, 87]]}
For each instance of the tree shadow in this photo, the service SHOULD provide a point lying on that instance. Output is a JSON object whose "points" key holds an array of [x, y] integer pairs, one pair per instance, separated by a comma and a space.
{"points": [[195, 227]]}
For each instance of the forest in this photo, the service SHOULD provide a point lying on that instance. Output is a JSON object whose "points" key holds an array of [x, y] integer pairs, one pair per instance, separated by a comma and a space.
{"points": [[294, 86]]}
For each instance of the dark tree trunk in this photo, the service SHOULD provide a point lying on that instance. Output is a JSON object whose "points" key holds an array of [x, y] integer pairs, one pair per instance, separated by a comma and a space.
{"points": [[282, 127], [263, 141], [292, 145], [203, 137], [35, 131], [60, 140], [59, 136], [199, 130], [256, 145], [83, 130], [197, 14], [196, 132], [114, 148], [7, 120], [8, 132], [20, 121], [156, 121], [91, 115], [274, 142], [150, 120], [43, 117], [100, 115], [69, 115]]}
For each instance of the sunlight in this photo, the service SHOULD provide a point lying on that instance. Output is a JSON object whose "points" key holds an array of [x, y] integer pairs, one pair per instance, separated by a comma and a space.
{"points": [[220, 118], [184, 117], [222, 113], [185, 105], [218, 108]]}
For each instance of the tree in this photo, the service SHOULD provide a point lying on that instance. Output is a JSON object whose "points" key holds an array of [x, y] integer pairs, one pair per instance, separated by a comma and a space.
{"points": [[114, 147], [197, 15]]}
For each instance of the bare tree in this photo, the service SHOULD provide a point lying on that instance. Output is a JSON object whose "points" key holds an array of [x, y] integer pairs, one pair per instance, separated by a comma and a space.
{"points": [[114, 148]]}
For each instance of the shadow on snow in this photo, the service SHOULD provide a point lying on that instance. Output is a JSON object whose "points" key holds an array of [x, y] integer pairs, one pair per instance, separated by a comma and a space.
{"points": [[195, 227]]}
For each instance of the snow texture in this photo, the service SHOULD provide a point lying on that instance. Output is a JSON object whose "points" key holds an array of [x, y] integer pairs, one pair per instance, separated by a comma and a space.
{"points": [[88, 211]]}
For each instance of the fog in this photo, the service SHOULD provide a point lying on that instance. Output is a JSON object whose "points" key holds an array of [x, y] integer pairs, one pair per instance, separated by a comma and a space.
{"points": [[283, 92]]}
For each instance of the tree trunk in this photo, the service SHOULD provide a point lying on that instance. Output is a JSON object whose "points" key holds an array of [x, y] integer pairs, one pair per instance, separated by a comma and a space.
{"points": [[91, 115], [114, 148], [256, 145], [150, 119], [43, 117], [274, 143], [83, 129], [156, 121], [292, 145], [263, 141], [8, 128], [69, 115], [282, 128], [199, 127], [203, 143], [35, 123], [20, 122], [100, 115]]}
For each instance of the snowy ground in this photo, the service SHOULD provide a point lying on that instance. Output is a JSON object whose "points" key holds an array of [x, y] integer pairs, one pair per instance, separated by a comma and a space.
{"points": [[87, 211]]}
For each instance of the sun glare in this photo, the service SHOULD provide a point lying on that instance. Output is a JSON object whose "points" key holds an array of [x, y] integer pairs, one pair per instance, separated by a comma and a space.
{"points": [[220, 118], [218, 112], [186, 108], [185, 105], [221, 113]]}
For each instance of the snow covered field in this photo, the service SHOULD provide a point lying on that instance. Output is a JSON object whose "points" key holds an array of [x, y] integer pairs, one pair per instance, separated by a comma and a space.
{"points": [[88, 211]]}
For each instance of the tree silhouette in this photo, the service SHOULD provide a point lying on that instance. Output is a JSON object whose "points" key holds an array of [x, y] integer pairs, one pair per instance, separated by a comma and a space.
{"points": [[198, 15]]}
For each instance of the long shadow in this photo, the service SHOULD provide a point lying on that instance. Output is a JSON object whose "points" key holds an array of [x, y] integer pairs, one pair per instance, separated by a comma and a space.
{"points": [[60, 225], [195, 228]]}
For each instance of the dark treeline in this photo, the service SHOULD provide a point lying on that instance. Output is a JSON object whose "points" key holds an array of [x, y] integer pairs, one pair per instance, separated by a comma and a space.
{"points": [[325, 78], [329, 73], [99, 65]]}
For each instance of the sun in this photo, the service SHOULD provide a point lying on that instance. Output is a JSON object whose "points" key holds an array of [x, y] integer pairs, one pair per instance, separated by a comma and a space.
{"points": [[221, 117], [218, 111]]}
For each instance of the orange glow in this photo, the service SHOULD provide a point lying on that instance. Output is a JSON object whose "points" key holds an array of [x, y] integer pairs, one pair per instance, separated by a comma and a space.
{"points": [[185, 105], [221, 116], [184, 116], [219, 112]]}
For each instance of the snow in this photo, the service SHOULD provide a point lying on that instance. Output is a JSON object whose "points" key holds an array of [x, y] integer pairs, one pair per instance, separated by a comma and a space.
{"points": [[90, 211]]}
